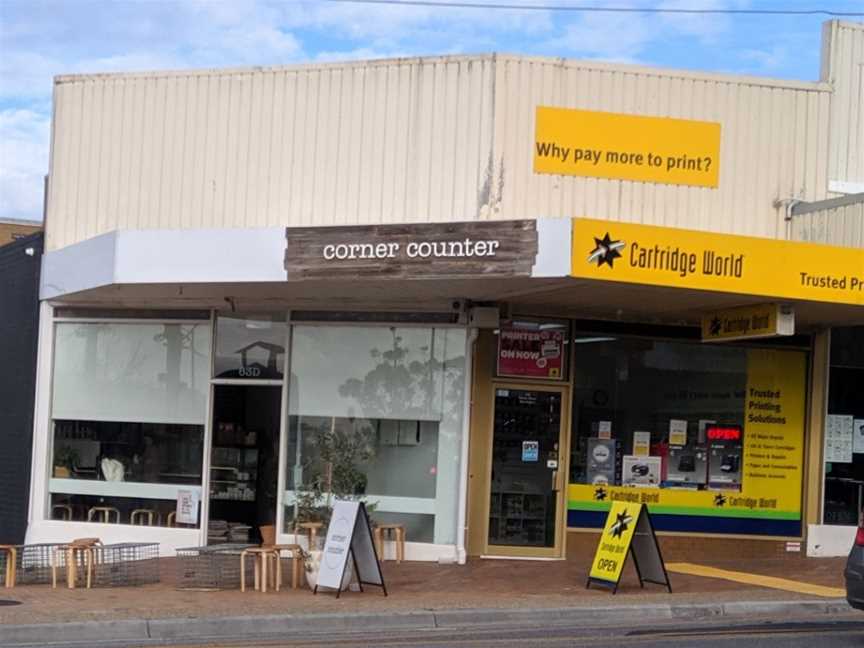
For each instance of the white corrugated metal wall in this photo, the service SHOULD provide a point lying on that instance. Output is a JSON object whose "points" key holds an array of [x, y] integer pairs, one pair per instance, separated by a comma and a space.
{"points": [[835, 222], [843, 68], [773, 145], [434, 139], [402, 140]]}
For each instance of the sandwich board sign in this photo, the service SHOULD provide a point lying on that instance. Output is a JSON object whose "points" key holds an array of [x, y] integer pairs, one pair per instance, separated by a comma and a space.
{"points": [[349, 533], [628, 531]]}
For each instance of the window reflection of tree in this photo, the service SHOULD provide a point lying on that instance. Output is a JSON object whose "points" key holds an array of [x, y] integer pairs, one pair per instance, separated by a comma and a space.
{"points": [[336, 450]]}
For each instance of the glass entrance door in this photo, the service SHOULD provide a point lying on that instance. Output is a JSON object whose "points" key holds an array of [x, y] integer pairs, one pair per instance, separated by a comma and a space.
{"points": [[526, 499], [244, 465]]}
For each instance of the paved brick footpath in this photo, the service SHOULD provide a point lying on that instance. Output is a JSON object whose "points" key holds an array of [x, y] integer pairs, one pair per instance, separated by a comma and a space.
{"points": [[421, 586]]}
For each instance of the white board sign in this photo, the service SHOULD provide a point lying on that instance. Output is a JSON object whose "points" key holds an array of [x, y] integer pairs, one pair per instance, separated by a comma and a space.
{"points": [[187, 507], [349, 536]]}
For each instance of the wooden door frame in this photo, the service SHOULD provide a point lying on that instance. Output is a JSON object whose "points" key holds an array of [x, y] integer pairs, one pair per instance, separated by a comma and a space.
{"points": [[558, 551]]}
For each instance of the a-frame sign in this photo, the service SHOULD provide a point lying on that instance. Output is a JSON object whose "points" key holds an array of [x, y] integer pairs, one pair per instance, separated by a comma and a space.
{"points": [[349, 533], [628, 531]]}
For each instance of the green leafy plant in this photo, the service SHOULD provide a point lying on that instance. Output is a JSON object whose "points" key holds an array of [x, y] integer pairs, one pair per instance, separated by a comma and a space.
{"points": [[335, 469], [66, 457]]}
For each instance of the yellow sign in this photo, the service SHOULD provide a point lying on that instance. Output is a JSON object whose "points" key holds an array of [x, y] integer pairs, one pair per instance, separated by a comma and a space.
{"points": [[771, 407], [663, 256], [774, 429], [626, 147], [615, 542], [763, 320]]}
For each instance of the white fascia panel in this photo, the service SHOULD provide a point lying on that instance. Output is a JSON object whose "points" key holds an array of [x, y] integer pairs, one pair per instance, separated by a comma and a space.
{"points": [[200, 256], [165, 256], [844, 187], [82, 266], [554, 237]]}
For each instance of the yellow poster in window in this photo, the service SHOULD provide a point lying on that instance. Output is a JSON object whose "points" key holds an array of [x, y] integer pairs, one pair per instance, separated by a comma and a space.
{"points": [[774, 429], [626, 147], [615, 541]]}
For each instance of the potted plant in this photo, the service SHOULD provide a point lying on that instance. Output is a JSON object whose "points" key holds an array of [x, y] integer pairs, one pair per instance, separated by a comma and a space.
{"points": [[65, 460], [336, 473]]}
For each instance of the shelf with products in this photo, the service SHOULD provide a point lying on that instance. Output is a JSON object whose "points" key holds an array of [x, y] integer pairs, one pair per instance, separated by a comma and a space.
{"points": [[229, 483], [516, 516]]}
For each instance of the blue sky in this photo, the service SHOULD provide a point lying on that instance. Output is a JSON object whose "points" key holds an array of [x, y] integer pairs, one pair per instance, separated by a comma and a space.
{"points": [[39, 39]]}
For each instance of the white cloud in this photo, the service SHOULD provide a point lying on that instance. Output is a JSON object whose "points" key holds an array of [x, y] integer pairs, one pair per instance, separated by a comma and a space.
{"points": [[24, 138]]}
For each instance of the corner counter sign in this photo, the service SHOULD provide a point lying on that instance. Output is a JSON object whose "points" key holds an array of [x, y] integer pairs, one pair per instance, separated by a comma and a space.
{"points": [[663, 256], [628, 531], [412, 251]]}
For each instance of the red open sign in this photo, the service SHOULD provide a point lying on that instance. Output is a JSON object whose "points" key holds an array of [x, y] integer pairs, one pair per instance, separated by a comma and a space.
{"points": [[723, 433]]}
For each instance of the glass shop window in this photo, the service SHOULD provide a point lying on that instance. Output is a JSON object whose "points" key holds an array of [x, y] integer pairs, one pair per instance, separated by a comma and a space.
{"points": [[844, 429], [657, 413], [250, 346], [376, 413], [128, 409]]}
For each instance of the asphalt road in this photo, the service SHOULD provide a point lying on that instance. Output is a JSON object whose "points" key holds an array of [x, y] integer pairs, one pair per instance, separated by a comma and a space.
{"points": [[723, 633]]}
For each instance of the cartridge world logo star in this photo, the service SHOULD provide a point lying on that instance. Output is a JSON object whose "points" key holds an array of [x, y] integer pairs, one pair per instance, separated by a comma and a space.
{"points": [[716, 326], [606, 250], [719, 499], [600, 494], [621, 524]]}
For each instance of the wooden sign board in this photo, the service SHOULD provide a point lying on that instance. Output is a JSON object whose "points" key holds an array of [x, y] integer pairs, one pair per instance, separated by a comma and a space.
{"points": [[349, 533], [628, 531], [412, 251]]}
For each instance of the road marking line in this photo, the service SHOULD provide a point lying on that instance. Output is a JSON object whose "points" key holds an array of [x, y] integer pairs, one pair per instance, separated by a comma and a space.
{"points": [[771, 582]]}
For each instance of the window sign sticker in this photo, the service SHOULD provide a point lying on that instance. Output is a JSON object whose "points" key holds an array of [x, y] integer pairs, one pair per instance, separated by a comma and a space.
{"points": [[533, 352], [604, 430], [530, 451]]}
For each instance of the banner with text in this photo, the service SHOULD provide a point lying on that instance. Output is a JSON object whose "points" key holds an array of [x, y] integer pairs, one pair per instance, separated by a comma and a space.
{"points": [[626, 147], [664, 256], [531, 353]]}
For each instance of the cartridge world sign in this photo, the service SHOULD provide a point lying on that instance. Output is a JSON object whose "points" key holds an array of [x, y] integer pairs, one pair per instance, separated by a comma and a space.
{"points": [[415, 251], [662, 256]]}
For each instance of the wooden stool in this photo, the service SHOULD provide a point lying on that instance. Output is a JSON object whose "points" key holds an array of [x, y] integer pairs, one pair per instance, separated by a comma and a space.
{"points": [[83, 548], [311, 529], [399, 530], [105, 513], [65, 511], [11, 563], [296, 563], [263, 556], [140, 515]]}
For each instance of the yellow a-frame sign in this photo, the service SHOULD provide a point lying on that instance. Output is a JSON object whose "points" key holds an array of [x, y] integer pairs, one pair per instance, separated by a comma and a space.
{"points": [[628, 530]]}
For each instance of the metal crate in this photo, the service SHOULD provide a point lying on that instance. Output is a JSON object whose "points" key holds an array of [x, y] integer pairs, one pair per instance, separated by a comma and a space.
{"points": [[211, 567], [126, 564], [116, 565], [34, 563]]}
